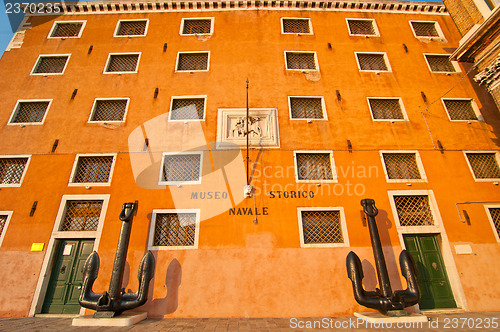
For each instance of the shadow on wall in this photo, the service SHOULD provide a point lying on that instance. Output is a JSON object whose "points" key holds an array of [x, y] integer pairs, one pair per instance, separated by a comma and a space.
{"points": [[168, 304]]}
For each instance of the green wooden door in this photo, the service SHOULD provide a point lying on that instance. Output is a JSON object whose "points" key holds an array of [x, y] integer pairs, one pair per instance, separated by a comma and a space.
{"points": [[66, 277], [432, 279]]}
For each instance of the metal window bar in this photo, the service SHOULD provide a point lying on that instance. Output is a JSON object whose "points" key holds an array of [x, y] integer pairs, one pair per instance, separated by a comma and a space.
{"points": [[93, 169], [361, 27], [11, 170], [132, 28], [81, 216], [386, 109], [184, 167], [314, 166], [122, 63], [3, 221], [322, 227], [109, 110], [306, 108], [50, 64], [401, 166], [484, 165], [188, 109], [495, 215], [193, 61], [300, 60], [460, 109], [29, 112], [425, 29], [194, 27], [296, 26], [66, 30], [175, 229], [414, 210], [372, 62], [440, 63]]}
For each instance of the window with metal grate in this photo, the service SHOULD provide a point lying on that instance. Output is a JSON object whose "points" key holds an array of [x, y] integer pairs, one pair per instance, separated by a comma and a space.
{"points": [[63, 29], [187, 109], [372, 61], [192, 61], [196, 26], [386, 108], [321, 227], [12, 170], [306, 108], [132, 28], [296, 25], [414, 210], [50, 64], [3, 221], [81, 216], [439, 63], [93, 169], [314, 166], [183, 168], [122, 63], [401, 166], [495, 217], [361, 27], [301, 61], [175, 229], [109, 110], [484, 165], [460, 109], [30, 112], [425, 29]]}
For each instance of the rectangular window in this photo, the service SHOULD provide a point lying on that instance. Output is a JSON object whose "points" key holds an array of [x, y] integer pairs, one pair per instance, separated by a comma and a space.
{"points": [[307, 108], [372, 62], [4, 223], [484, 165], [192, 61], [29, 112], [322, 227], [129, 28], [12, 170], [301, 61], [187, 108], [197, 26], [81, 215], [174, 229], [427, 29], [92, 169], [494, 214], [314, 167], [296, 25], [122, 63], [50, 64], [439, 63], [460, 109], [181, 168], [362, 27], [109, 110], [67, 29], [414, 210], [386, 108], [402, 166]]}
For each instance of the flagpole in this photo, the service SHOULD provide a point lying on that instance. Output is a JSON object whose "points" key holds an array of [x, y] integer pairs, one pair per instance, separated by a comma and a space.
{"points": [[247, 133]]}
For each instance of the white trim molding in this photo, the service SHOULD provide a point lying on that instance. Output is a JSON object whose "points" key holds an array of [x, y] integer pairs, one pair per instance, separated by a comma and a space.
{"points": [[492, 222], [297, 33], [6, 225], [420, 166], [455, 65], [105, 71], [439, 37], [119, 24], [177, 70], [93, 184], [474, 106], [316, 63], [176, 211], [41, 56], [374, 25], [7, 185], [332, 165], [497, 159], [184, 19], [386, 60], [323, 108], [401, 105], [16, 109], [204, 97], [108, 121], [54, 25], [179, 153], [343, 227]]}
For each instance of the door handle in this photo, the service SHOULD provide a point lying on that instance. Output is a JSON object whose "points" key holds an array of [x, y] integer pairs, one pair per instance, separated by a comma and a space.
{"points": [[63, 269]]}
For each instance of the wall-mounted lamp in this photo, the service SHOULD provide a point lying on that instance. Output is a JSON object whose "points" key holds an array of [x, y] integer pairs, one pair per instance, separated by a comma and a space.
{"points": [[466, 216], [349, 146], [339, 97], [440, 146], [405, 47], [156, 93], [165, 47], [73, 95], [54, 146], [90, 49], [33, 208], [146, 142], [424, 97], [329, 46]]}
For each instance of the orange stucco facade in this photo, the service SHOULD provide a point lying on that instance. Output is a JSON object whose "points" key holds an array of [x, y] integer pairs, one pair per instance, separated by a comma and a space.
{"points": [[242, 267]]}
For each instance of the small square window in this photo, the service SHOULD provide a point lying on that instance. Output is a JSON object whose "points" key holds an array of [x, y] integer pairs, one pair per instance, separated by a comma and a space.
{"points": [[484, 165], [494, 214], [4, 223], [414, 210], [306, 108], [29, 112], [187, 108], [129, 28], [372, 62], [92, 169], [50, 65], [460, 109], [402, 167], [196, 26], [362, 27], [109, 110], [386, 108], [322, 227], [428, 29], [181, 168], [122, 63], [67, 29], [81, 215], [439, 63], [192, 61], [314, 167], [12, 170], [301, 61], [174, 229], [296, 26]]}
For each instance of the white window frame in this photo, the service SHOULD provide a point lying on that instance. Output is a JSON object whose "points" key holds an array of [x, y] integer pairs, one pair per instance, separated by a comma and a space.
{"points": [[153, 227], [40, 56], [374, 23], [497, 158], [122, 72], [420, 166], [175, 153], [401, 104], [343, 227], [332, 164], [93, 184], [14, 185], [99, 99], [84, 22], [204, 97], [118, 25], [454, 64], [492, 222], [16, 108], [212, 19], [389, 68], [7, 221], [436, 26], [316, 63], [296, 18], [474, 107], [191, 71], [323, 108]]}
